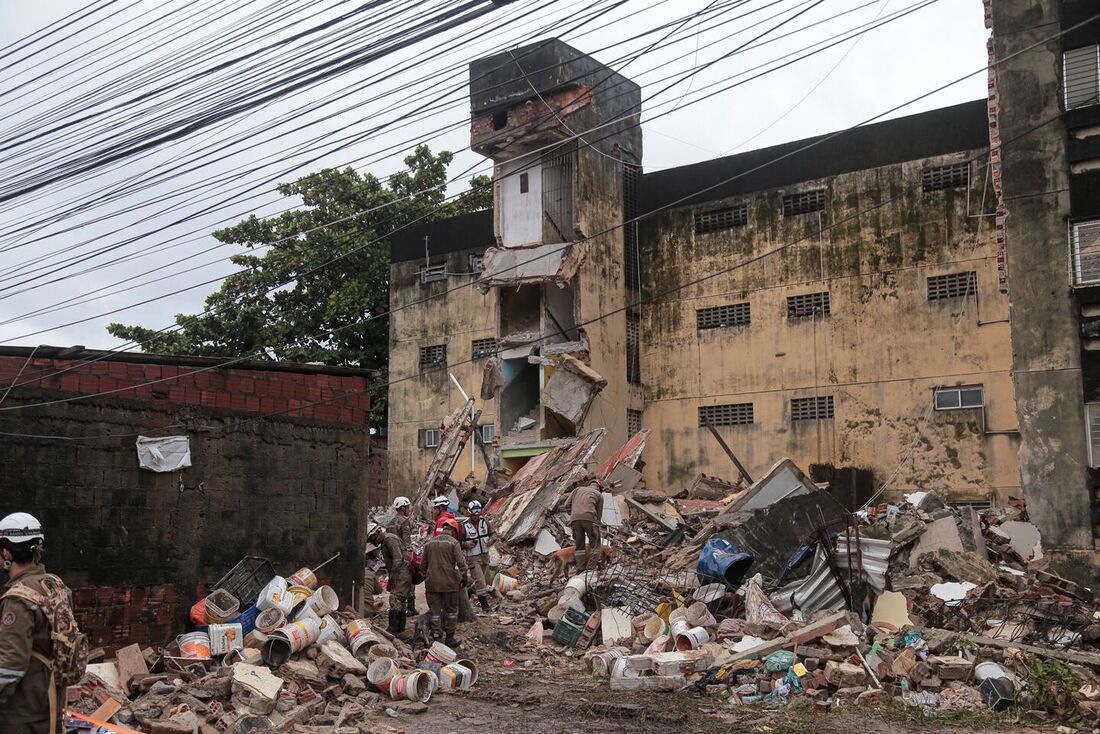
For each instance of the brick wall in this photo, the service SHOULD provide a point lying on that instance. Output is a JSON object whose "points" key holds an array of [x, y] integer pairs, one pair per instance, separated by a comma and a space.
{"points": [[138, 546]]}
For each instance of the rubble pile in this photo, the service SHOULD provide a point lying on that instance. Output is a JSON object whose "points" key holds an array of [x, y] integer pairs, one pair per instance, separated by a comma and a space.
{"points": [[268, 654]]}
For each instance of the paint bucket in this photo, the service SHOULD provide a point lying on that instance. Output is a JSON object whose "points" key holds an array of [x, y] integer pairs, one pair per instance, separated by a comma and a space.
{"points": [[220, 606], [276, 595], [582, 581], [414, 686], [989, 669], [693, 639], [270, 620], [679, 627], [602, 663], [709, 593], [299, 593], [381, 672], [677, 613], [301, 634], [381, 650], [329, 630], [194, 646], [303, 577], [276, 651], [361, 637], [556, 613], [225, 637], [660, 644], [455, 677], [471, 666], [654, 628], [504, 583], [440, 653], [700, 616], [323, 601], [638, 624], [571, 601]]}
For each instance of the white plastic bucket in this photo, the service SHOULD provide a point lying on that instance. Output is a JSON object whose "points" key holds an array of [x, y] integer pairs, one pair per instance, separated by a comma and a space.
{"points": [[329, 630], [381, 672], [440, 653], [679, 627], [415, 686], [303, 577], [700, 616], [323, 601], [654, 628], [270, 620], [220, 606], [638, 624], [225, 637], [381, 650], [276, 595], [504, 583], [194, 646], [602, 663], [300, 634], [989, 669], [580, 582], [693, 639]]}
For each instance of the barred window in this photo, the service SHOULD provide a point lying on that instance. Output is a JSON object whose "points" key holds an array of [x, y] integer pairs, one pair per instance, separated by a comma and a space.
{"points": [[808, 306], [804, 203], [430, 273], [631, 260], [734, 414], [1086, 252], [477, 262], [436, 354], [717, 317], [634, 348], [633, 422], [717, 220], [481, 348], [1081, 76], [812, 409], [954, 176], [953, 285], [428, 438]]}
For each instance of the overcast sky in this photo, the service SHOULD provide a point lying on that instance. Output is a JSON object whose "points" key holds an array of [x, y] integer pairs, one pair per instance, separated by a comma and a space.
{"points": [[156, 220]]}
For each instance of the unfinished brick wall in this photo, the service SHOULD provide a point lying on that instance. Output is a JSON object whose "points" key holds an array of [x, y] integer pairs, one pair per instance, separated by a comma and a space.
{"points": [[139, 547]]}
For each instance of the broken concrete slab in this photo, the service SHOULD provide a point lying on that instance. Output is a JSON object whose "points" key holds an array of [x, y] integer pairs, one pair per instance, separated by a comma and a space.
{"points": [[686, 662], [961, 566], [782, 481], [942, 533], [569, 392], [649, 683], [1024, 539], [615, 625], [546, 543], [511, 266]]}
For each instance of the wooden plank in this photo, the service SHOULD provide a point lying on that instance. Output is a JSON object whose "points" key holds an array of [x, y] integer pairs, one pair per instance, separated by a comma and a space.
{"points": [[805, 634], [653, 516], [109, 708], [130, 663], [1069, 656], [729, 452]]}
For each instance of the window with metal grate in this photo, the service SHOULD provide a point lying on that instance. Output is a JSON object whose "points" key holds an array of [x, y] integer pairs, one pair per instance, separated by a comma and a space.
{"points": [[631, 252], [634, 348], [953, 285], [1081, 76], [430, 273], [803, 203], [436, 354], [717, 220], [482, 348], [717, 317], [633, 421], [477, 262], [1086, 252], [940, 178], [812, 409], [808, 306], [733, 414]]}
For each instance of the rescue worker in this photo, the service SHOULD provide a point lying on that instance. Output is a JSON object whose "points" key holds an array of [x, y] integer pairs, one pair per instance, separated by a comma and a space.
{"points": [[31, 701], [372, 587], [445, 574], [441, 512], [404, 524], [478, 536], [400, 580], [584, 519]]}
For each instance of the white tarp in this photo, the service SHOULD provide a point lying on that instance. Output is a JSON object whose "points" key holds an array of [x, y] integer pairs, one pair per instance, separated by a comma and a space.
{"points": [[170, 453]]}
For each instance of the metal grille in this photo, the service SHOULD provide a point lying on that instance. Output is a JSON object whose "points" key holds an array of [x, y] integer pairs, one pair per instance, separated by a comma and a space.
{"points": [[804, 203], [428, 273], [633, 422], [945, 177], [481, 348], [1081, 76], [1086, 252], [631, 255], [436, 354], [808, 305], [812, 409], [557, 193], [477, 262], [716, 317], [633, 348], [718, 219], [1094, 433], [954, 285], [734, 414]]}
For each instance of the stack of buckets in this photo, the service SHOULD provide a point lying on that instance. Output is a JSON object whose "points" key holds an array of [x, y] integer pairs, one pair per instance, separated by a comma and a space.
{"points": [[309, 609], [450, 672], [384, 674]]}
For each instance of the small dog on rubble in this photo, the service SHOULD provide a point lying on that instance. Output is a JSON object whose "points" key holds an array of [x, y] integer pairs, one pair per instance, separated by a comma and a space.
{"points": [[561, 561]]}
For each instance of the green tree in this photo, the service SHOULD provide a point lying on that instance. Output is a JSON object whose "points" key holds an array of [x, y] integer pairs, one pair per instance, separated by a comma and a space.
{"points": [[345, 214]]}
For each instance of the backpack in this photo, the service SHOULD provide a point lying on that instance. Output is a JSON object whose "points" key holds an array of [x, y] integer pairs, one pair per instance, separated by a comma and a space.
{"points": [[70, 645]]}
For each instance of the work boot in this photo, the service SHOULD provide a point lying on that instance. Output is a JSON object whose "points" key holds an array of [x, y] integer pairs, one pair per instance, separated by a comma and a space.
{"points": [[410, 608], [484, 602], [452, 641], [397, 625]]}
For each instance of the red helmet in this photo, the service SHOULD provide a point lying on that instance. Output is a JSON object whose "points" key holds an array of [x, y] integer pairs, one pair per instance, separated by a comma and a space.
{"points": [[454, 525]]}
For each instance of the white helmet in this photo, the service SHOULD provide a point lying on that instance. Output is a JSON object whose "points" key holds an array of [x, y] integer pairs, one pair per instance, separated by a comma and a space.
{"points": [[474, 506], [441, 501], [400, 502], [373, 528], [19, 527]]}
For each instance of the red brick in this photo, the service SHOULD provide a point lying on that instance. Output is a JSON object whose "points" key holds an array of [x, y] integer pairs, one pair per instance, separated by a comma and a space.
{"points": [[107, 383], [118, 369], [252, 403], [70, 382], [209, 399], [89, 384], [222, 400]]}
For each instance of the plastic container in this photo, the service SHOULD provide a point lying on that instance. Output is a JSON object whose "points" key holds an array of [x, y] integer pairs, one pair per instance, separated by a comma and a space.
{"points": [[456, 677], [569, 628], [580, 582], [440, 653], [270, 620], [655, 627], [721, 561], [299, 634], [471, 666], [700, 616], [194, 646], [987, 670], [679, 627], [225, 638], [329, 630], [276, 650], [602, 663], [276, 595], [638, 624], [220, 606], [198, 611], [247, 579], [504, 583], [323, 601], [415, 686], [381, 672], [381, 650], [693, 639], [303, 577]]}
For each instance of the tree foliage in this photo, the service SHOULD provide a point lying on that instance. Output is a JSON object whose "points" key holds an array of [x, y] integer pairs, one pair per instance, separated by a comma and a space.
{"points": [[333, 254]]}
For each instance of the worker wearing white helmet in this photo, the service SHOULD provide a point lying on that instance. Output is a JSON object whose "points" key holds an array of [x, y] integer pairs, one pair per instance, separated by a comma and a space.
{"points": [[478, 537], [34, 605], [441, 511], [396, 559], [403, 525]]}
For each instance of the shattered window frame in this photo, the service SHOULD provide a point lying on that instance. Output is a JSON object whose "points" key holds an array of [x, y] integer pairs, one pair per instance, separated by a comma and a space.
{"points": [[815, 408], [433, 273], [725, 316], [484, 348], [720, 220], [804, 202], [432, 355], [959, 397], [429, 438], [952, 285], [809, 305], [729, 414], [941, 178]]}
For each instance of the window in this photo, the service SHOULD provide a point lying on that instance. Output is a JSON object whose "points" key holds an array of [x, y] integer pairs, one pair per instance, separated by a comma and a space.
{"points": [[631, 255], [718, 219], [500, 120], [1086, 252], [945, 177], [954, 285], [812, 409], [557, 193], [1092, 426], [477, 262], [1081, 76], [735, 414], [808, 306], [487, 432], [429, 438], [717, 317], [482, 348], [633, 422], [436, 354], [429, 273], [633, 348], [957, 398], [804, 203], [524, 183]]}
